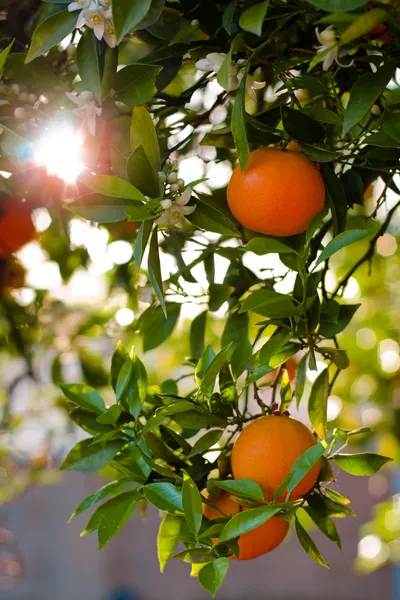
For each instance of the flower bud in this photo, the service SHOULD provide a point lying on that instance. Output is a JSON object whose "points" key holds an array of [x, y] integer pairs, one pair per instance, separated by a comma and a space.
{"points": [[20, 112], [167, 203], [172, 178], [174, 188], [375, 110], [162, 176], [181, 183]]}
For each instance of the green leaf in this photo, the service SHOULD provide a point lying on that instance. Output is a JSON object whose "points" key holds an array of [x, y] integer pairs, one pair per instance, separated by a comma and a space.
{"points": [[364, 463], [104, 491], [219, 293], [111, 416], [364, 93], [142, 173], [97, 518], [205, 360], [277, 341], [335, 496], [141, 241], [135, 84], [244, 488], [208, 218], [109, 185], [323, 115], [143, 133], [195, 556], [3, 58], [87, 458], [269, 303], [300, 126], [51, 32], [252, 18], [336, 198], [127, 15], [364, 24], [164, 496], [334, 509], [123, 379], [338, 5], [247, 521], [265, 245], [235, 330], [325, 524], [153, 423], [101, 209], [197, 335], [83, 396], [224, 71], [155, 328], [346, 312], [118, 359], [347, 237], [302, 465], [214, 368], [154, 270], [353, 185], [317, 403], [300, 379], [87, 59], [119, 511], [228, 15], [238, 125], [308, 545], [137, 387], [192, 504], [212, 575], [206, 441], [168, 538]]}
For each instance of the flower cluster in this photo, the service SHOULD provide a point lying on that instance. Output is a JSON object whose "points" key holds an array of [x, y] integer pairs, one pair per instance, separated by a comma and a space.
{"points": [[97, 15], [329, 47], [175, 206], [87, 109], [214, 61]]}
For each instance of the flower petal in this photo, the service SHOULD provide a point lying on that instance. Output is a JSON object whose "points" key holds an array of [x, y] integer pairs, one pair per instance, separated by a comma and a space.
{"points": [[187, 210], [184, 198]]}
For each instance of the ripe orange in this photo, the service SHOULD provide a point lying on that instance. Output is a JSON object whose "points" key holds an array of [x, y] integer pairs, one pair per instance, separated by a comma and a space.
{"points": [[278, 194], [259, 541], [16, 226], [266, 450]]}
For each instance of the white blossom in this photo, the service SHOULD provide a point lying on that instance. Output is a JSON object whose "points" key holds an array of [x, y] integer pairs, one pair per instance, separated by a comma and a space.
{"points": [[327, 39], [252, 85], [176, 210], [80, 5], [95, 19], [87, 109], [97, 15], [213, 62]]}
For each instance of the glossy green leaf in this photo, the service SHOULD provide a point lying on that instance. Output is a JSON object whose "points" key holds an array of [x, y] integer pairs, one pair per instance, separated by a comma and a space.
{"points": [[317, 403], [228, 15], [120, 509], [336, 496], [51, 32], [211, 372], [244, 488], [87, 458], [252, 18], [308, 545], [111, 416], [141, 241], [238, 125], [168, 538], [336, 198], [137, 387], [269, 303], [127, 15], [3, 57], [135, 84], [192, 504], [123, 379], [206, 441], [323, 115], [265, 245], [338, 5], [154, 270], [84, 396], [143, 133], [361, 464], [302, 465], [197, 335], [164, 496], [109, 185], [101, 209], [87, 58], [247, 521], [104, 491], [300, 379], [208, 218], [236, 330], [219, 293], [300, 126], [347, 237], [324, 524], [212, 575], [364, 93], [117, 361], [155, 327], [275, 343], [142, 173]]}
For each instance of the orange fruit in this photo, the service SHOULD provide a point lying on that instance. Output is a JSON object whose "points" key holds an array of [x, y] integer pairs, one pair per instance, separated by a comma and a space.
{"points": [[278, 194], [266, 450], [259, 541], [16, 226]]}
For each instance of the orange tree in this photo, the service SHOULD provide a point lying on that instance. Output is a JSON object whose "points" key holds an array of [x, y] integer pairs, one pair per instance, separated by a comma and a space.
{"points": [[136, 86]]}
